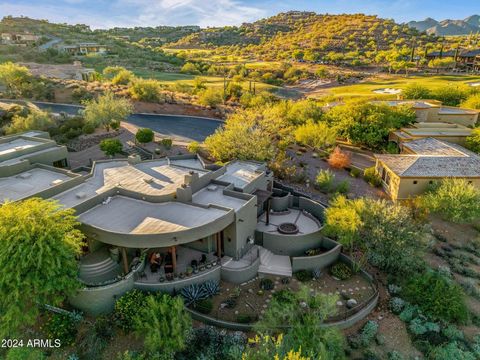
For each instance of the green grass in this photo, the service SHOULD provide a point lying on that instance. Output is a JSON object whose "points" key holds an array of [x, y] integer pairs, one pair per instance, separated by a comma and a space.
{"points": [[365, 89]]}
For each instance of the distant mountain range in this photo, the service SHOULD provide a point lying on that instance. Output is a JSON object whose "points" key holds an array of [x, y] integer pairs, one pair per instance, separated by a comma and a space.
{"points": [[448, 27]]}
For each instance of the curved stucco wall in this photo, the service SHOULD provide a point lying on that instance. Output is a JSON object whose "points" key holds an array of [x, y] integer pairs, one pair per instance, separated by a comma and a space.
{"points": [[161, 239], [173, 287], [241, 275], [318, 261]]}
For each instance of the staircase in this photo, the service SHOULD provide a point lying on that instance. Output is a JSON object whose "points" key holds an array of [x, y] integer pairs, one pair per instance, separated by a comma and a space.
{"points": [[135, 150], [274, 264], [98, 267]]}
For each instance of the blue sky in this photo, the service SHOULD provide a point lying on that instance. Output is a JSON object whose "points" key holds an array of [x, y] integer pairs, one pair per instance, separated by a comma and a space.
{"points": [[109, 13]]}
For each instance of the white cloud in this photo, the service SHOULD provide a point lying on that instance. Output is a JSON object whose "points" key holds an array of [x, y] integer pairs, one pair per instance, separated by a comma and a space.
{"points": [[139, 12]]}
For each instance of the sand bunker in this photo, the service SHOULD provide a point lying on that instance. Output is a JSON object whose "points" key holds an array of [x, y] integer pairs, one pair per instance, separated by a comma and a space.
{"points": [[387, 91]]}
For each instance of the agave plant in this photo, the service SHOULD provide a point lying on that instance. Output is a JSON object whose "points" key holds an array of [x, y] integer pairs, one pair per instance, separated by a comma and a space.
{"points": [[316, 273], [193, 293], [211, 287]]}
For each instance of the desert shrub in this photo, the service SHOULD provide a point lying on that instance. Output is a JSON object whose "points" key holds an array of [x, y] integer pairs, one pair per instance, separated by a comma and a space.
{"points": [[111, 146], [450, 95], [204, 306], [370, 175], [316, 273], [449, 351], [284, 296], [210, 97], [25, 353], [144, 135], [338, 159], [266, 284], [315, 134], [437, 296], [194, 147], [409, 312], [396, 305], [394, 289], [167, 143], [88, 129], [245, 318], [421, 325], [341, 271], [472, 141], [343, 187], [303, 275], [62, 326], [93, 342], [415, 91], [126, 308], [354, 172], [451, 332], [368, 333], [80, 94], [145, 90], [324, 180]]}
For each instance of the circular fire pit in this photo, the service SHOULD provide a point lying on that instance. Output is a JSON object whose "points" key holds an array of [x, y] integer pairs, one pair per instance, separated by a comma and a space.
{"points": [[288, 228]]}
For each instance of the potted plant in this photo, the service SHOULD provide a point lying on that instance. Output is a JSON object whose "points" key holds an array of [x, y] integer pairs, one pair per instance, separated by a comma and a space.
{"points": [[175, 276], [182, 275], [209, 265], [169, 276], [214, 263], [202, 267], [162, 279], [195, 270], [189, 271]]}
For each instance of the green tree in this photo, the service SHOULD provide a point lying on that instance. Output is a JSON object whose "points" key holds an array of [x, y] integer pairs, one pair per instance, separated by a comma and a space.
{"points": [[343, 220], [210, 97], [317, 135], [190, 68], [34, 120], [144, 135], [299, 316], [124, 77], [111, 146], [455, 199], [472, 141], [15, 78], [145, 90], [234, 90], [107, 110], [163, 324], [194, 147], [39, 245], [271, 347], [472, 102]]}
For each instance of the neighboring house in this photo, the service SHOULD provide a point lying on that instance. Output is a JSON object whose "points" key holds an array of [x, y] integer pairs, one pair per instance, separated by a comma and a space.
{"points": [[421, 163], [206, 222], [433, 111], [83, 49], [468, 59], [441, 131], [18, 38]]}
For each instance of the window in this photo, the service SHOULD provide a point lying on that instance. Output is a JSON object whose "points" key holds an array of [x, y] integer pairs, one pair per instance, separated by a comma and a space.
{"points": [[415, 182], [430, 182]]}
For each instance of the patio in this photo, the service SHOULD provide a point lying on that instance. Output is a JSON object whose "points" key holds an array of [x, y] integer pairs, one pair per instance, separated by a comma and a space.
{"points": [[184, 259]]}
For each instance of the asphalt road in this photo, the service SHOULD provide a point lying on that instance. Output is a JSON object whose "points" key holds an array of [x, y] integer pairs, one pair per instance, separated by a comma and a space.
{"points": [[180, 127]]}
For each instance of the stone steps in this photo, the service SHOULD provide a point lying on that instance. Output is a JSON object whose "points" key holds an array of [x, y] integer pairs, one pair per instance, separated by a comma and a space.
{"points": [[274, 264]]}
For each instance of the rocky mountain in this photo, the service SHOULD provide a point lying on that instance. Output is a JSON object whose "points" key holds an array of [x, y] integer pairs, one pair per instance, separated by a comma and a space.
{"points": [[448, 27]]}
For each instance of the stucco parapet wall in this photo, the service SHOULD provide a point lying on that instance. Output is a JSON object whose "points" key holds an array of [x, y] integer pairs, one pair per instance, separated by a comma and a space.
{"points": [[318, 261], [176, 285], [171, 238], [241, 275]]}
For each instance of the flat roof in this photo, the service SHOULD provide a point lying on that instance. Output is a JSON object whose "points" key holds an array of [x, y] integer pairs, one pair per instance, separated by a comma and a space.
{"points": [[29, 183], [241, 173], [17, 144], [150, 178], [130, 216], [189, 163], [213, 194]]}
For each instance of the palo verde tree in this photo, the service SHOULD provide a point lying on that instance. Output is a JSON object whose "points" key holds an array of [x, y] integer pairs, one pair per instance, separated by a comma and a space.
{"points": [[107, 111], [15, 78], [163, 324], [299, 316], [39, 245], [454, 199]]}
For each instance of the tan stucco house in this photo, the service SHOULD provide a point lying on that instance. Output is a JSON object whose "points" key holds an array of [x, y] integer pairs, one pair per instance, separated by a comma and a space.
{"points": [[454, 133], [422, 162]]}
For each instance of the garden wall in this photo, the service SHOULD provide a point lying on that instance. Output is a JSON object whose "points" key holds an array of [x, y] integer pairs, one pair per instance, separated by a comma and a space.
{"points": [[318, 261], [241, 275]]}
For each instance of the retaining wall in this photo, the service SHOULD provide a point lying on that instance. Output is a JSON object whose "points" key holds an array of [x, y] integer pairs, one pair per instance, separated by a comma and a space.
{"points": [[241, 275]]}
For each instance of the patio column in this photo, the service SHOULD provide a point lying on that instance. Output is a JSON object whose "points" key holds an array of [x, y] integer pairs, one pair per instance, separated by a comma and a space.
{"points": [[125, 260], [219, 245], [267, 218], [174, 258]]}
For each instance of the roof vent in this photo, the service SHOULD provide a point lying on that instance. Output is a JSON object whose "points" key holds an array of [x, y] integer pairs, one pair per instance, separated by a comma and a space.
{"points": [[212, 187], [25, 175], [81, 195], [148, 180], [56, 182]]}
